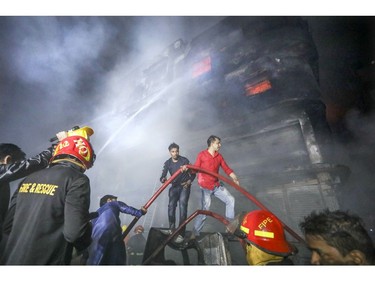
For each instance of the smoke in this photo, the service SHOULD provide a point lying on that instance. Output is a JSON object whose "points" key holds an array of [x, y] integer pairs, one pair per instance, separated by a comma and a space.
{"points": [[58, 72], [47, 62], [54, 55]]}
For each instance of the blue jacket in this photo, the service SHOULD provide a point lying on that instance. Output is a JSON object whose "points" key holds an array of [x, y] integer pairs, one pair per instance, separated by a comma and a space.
{"points": [[107, 245]]}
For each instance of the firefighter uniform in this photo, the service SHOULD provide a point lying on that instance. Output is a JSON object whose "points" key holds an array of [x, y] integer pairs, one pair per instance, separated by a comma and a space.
{"points": [[52, 207]]}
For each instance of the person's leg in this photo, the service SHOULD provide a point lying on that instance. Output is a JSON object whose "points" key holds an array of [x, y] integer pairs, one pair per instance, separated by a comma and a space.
{"points": [[206, 203], [173, 198], [183, 203], [224, 195]]}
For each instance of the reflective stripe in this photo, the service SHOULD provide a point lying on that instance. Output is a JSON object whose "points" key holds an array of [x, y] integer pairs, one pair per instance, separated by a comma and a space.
{"points": [[264, 234], [245, 229]]}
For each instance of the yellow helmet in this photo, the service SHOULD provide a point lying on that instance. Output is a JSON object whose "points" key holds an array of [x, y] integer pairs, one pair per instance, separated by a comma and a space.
{"points": [[85, 132]]}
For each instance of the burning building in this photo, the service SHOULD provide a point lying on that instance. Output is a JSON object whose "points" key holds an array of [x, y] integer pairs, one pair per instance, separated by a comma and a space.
{"points": [[253, 81]]}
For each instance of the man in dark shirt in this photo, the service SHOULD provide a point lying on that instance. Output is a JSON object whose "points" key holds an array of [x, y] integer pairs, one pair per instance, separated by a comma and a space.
{"points": [[180, 189]]}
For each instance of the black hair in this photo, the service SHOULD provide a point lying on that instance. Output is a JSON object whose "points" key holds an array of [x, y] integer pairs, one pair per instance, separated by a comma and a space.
{"points": [[13, 150], [104, 199], [173, 145], [341, 230], [211, 139]]}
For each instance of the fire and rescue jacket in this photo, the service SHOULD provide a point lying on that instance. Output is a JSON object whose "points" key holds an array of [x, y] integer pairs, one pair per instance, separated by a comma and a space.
{"points": [[108, 247], [51, 216], [211, 163], [172, 167], [18, 170]]}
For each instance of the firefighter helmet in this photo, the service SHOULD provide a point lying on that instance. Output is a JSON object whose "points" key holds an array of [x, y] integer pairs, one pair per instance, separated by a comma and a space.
{"points": [[266, 232], [77, 147]]}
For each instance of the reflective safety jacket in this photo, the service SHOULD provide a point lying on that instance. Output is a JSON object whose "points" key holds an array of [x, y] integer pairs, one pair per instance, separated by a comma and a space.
{"points": [[51, 216]]}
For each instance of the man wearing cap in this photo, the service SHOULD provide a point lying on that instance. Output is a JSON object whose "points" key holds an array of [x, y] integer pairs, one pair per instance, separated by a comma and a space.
{"points": [[52, 208], [108, 247], [265, 239]]}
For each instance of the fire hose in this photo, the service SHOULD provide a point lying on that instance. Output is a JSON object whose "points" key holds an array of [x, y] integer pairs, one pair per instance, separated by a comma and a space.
{"points": [[249, 196], [150, 201], [228, 181]]}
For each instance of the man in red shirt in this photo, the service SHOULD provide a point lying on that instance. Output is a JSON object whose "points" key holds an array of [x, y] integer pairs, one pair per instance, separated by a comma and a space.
{"points": [[210, 159]]}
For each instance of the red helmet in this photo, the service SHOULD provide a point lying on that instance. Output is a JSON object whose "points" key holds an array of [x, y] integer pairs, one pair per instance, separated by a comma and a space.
{"points": [[266, 232], [76, 146]]}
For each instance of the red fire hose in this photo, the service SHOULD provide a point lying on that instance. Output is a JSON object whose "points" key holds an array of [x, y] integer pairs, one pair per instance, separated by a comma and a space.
{"points": [[228, 181], [248, 195], [149, 202]]}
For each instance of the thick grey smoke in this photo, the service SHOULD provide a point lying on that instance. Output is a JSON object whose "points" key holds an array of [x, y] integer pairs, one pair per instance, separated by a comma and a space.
{"points": [[58, 72]]}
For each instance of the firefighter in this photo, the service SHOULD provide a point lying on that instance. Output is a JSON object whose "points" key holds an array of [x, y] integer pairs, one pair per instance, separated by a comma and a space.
{"points": [[265, 239], [52, 207]]}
